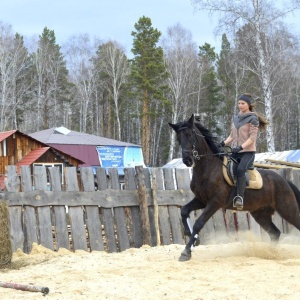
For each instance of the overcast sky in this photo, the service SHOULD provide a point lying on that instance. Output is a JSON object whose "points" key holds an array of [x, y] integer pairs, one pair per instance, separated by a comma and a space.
{"points": [[105, 19]]}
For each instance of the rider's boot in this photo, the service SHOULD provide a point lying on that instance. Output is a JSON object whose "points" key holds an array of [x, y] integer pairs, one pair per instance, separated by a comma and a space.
{"points": [[238, 200]]}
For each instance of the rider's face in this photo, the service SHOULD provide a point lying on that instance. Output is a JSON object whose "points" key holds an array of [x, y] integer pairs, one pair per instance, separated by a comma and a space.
{"points": [[243, 106]]}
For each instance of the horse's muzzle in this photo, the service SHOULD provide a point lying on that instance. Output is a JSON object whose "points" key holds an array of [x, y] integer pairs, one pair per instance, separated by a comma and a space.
{"points": [[188, 160]]}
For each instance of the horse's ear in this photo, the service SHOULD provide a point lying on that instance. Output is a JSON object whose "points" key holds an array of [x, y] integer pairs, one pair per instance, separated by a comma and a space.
{"points": [[192, 119], [174, 126]]}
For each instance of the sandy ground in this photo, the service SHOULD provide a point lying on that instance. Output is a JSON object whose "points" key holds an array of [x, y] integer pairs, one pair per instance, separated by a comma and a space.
{"points": [[240, 270]]}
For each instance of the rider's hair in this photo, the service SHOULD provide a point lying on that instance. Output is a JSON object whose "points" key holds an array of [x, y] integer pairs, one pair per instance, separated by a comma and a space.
{"points": [[263, 122]]}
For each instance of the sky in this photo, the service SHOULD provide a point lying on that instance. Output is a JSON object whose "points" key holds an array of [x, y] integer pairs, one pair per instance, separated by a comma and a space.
{"points": [[107, 19], [104, 19]]}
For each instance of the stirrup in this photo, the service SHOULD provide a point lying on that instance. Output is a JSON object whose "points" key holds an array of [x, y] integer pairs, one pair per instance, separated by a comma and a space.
{"points": [[238, 202]]}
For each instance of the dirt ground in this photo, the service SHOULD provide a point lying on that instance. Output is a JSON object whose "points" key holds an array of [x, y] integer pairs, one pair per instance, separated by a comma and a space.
{"points": [[239, 270]]}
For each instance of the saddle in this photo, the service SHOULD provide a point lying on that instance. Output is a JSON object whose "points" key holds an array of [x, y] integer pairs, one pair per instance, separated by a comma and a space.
{"points": [[253, 177]]}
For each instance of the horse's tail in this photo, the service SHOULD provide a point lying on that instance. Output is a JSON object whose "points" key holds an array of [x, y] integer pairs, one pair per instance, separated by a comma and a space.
{"points": [[296, 192]]}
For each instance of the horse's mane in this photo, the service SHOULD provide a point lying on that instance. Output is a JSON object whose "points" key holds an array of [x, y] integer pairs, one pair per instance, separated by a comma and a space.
{"points": [[210, 139]]}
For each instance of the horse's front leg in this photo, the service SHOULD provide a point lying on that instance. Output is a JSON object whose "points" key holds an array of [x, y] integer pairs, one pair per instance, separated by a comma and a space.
{"points": [[199, 224], [185, 214]]}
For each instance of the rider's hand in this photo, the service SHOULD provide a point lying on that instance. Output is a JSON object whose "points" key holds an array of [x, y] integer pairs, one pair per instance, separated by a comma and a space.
{"points": [[221, 145], [237, 149]]}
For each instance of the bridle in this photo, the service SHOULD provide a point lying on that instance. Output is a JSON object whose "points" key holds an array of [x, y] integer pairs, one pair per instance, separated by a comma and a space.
{"points": [[195, 153]]}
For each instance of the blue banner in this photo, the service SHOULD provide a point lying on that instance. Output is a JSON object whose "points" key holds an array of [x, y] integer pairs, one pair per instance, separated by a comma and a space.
{"points": [[111, 156]]}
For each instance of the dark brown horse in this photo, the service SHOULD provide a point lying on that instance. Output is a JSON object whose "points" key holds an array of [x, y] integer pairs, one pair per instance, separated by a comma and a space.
{"points": [[212, 192]]}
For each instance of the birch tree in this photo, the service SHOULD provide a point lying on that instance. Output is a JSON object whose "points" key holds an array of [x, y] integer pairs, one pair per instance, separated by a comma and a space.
{"points": [[13, 57], [262, 16], [180, 54], [80, 52], [114, 64]]}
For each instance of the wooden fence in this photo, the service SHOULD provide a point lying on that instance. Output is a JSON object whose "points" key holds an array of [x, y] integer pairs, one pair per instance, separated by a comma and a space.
{"points": [[91, 212]]}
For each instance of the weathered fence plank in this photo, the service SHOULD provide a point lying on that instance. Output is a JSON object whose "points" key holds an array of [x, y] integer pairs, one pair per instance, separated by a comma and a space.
{"points": [[120, 218], [174, 212], [15, 212], [220, 226], [164, 223], [29, 215], [75, 213], [43, 212], [136, 233], [108, 220], [143, 204], [183, 182], [93, 223], [60, 218]]}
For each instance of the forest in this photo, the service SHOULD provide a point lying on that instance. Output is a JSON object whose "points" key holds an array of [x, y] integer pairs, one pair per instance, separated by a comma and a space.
{"points": [[91, 86]]}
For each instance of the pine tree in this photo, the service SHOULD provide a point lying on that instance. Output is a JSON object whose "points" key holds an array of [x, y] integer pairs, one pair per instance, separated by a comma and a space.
{"points": [[211, 94], [148, 74], [52, 85]]}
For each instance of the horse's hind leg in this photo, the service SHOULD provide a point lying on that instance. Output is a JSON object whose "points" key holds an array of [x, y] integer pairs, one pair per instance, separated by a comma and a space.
{"points": [[264, 218], [290, 213]]}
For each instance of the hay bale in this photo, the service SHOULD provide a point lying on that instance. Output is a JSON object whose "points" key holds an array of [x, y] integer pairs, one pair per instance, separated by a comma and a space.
{"points": [[5, 242]]}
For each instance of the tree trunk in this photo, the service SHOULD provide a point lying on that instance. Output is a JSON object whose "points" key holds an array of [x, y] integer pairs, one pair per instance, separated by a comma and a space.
{"points": [[145, 129]]}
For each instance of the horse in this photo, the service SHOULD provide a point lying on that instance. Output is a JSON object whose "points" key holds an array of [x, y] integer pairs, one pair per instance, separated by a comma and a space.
{"points": [[212, 192]]}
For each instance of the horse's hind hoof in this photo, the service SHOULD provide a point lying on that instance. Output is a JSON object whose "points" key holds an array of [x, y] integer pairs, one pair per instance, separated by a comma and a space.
{"points": [[186, 255]]}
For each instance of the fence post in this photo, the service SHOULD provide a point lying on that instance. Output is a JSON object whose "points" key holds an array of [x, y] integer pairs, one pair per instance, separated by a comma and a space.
{"points": [[143, 204]]}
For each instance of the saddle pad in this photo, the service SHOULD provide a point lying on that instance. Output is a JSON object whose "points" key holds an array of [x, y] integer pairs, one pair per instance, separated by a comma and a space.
{"points": [[255, 179]]}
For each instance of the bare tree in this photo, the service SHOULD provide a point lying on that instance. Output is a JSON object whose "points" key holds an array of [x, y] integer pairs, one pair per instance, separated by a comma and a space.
{"points": [[12, 59], [114, 64], [83, 73], [180, 53], [262, 16]]}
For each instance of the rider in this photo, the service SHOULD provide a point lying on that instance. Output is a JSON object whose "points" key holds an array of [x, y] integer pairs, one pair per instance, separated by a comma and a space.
{"points": [[242, 138]]}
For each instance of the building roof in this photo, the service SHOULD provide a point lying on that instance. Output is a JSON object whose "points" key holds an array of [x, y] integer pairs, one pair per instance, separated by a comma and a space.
{"points": [[6, 134], [62, 135], [86, 153], [32, 156]]}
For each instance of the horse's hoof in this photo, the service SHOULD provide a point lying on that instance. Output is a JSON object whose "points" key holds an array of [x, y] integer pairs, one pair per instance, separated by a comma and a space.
{"points": [[197, 242], [186, 255]]}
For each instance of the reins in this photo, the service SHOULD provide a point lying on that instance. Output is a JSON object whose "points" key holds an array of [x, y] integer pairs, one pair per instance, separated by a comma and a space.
{"points": [[195, 153]]}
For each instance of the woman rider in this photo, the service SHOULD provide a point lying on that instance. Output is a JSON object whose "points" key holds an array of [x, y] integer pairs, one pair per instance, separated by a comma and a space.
{"points": [[242, 138]]}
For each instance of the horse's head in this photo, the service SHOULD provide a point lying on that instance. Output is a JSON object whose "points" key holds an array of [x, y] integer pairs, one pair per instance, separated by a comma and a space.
{"points": [[186, 138]]}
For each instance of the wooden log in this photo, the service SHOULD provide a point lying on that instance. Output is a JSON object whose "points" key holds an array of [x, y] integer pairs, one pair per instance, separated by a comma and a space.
{"points": [[269, 166], [143, 204], [285, 163], [25, 287]]}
